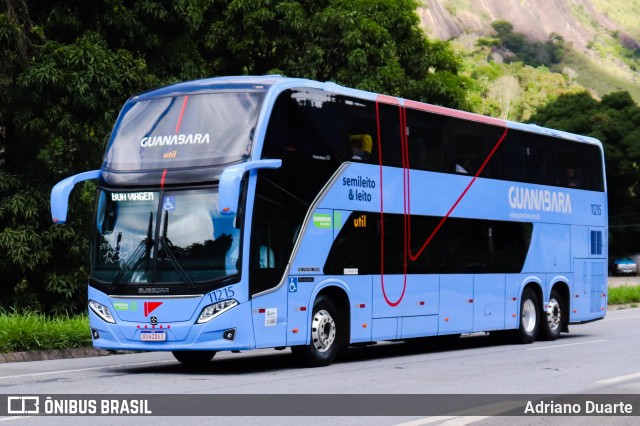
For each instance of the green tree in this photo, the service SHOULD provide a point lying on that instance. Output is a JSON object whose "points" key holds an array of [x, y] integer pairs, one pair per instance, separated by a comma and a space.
{"points": [[532, 53], [69, 65], [502, 27], [374, 45]]}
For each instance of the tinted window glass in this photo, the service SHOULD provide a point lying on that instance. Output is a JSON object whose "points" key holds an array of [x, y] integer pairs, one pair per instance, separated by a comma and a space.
{"points": [[390, 135], [426, 140], [184, 131], [460, 246], [361, 131], [277, 217], [470, 146]]}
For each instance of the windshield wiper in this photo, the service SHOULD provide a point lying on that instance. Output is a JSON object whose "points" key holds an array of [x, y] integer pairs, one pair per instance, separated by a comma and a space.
{"points": [[167, 245], [140, 254]]}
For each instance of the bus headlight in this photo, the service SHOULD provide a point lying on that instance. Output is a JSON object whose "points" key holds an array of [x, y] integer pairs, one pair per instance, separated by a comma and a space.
{"points": [[101, 311], [212, 311]]}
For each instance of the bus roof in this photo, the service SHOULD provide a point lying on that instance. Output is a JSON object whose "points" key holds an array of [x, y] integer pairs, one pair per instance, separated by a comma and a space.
{"points": [[278, 83]]}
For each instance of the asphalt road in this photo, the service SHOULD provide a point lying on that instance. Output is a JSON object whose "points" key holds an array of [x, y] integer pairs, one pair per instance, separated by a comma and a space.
{"points": [[596, 358]]}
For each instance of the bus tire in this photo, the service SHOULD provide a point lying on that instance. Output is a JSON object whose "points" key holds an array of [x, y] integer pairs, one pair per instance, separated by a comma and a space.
{"points": [[327, 331], [194, 358], [555, 318], [529, 327]]}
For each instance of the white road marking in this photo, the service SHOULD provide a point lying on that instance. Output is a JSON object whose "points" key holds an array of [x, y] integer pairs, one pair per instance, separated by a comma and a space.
{"points": [[619, 379], [566, 344], [427, 420], [8, 419], [461, 421], [46, 373], [446, 420]]}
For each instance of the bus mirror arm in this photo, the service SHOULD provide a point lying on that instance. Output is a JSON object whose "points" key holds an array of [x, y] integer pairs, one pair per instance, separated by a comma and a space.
{"points": [[229, 191], [60, 194]]}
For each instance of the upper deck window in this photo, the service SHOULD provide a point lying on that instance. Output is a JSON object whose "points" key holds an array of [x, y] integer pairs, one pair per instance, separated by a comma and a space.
{"points": [[186, 130]]}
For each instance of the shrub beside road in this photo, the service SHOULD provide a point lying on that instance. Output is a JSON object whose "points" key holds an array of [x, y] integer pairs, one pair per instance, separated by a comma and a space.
{"points": [[31, 331]]}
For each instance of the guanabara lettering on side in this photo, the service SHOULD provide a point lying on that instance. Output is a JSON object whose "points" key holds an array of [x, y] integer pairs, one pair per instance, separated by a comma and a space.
{"points": [[539, 199]]}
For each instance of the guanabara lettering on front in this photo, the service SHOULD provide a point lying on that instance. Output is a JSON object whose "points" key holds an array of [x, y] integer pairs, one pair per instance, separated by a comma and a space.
{"points": [[181, 139]]}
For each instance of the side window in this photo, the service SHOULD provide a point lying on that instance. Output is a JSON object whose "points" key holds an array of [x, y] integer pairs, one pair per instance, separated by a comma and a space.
{"points": [[319, 133], [297, 134], [593, 178], [580, 166], [596, 243], [540, 159], [571, 165], [508, 244], [426, 140], [361, 131], [356, 249], [460, 246], [390, 135], [469, 245], [592, 169], [507, 161], [469, 146], [271, 240]]}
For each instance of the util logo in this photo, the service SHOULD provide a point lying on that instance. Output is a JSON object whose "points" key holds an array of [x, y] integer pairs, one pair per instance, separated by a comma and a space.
{"points": [[150, 307]]}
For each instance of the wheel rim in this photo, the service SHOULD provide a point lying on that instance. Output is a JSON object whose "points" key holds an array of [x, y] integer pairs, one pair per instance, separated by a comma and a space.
{"points": [[323, 332], [554, 314], [529, 316]]}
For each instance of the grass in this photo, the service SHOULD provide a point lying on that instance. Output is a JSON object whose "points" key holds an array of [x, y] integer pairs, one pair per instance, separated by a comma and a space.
{"points": [[623, 12], [601, 77], [624, 295], [33, 331]]}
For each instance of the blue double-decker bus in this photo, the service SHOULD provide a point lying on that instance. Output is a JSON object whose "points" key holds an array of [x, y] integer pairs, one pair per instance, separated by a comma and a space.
{"points": [[252, 212]]}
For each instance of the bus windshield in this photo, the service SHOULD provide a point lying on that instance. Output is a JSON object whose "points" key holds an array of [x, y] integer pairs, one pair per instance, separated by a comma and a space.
{"points": [[163, 237], [184, 131]]}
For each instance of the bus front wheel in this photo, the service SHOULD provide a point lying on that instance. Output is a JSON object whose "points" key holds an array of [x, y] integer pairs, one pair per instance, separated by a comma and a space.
{"points": [[529, 317], [326, 335], [194, 358], [551, 328]]}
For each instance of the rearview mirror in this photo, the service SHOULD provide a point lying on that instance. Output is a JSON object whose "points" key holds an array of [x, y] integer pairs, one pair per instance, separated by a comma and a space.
{"points": [[229, 191], [60, 194]]}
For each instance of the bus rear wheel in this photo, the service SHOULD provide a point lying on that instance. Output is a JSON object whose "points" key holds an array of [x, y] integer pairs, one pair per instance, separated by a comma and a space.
{"points": [[327, 333], [551, 328], [194, 358], [529, 317]]}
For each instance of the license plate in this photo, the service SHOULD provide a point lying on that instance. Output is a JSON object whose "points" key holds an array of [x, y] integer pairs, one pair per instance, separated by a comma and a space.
{"points": [[153, 336]]}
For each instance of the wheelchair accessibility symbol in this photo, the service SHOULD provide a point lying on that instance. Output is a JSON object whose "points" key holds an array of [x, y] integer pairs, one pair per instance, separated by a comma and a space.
{"points": [[293, 284], [169, 203]]}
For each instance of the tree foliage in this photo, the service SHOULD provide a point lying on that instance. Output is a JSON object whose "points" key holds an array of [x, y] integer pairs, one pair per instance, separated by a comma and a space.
{"points": [[615, 120], [538, 86], [69, 65], [532, 53], [372, 45]]}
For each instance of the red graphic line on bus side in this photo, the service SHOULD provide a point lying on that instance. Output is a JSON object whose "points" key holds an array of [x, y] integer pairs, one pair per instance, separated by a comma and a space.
{"points": [[407, 194], [384, 294], [164, 175], [184, 106], [404, 288], [407, 191]]}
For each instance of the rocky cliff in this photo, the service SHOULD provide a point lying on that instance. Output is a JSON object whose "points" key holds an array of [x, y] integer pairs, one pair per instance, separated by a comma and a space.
{"points": [[577, 21]]}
